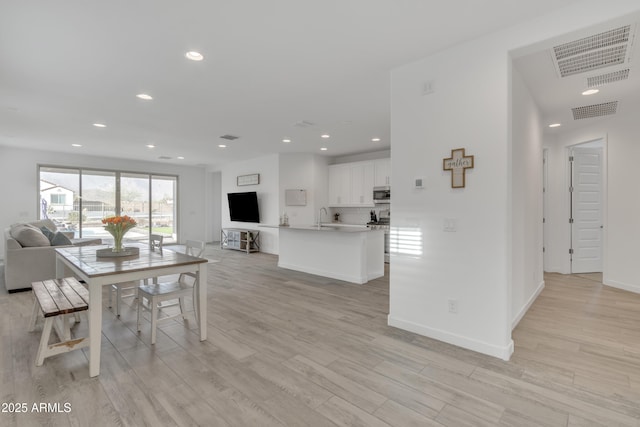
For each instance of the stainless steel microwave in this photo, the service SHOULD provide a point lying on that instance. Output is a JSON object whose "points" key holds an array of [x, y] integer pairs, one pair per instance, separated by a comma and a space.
{"points": [[382, 194]]}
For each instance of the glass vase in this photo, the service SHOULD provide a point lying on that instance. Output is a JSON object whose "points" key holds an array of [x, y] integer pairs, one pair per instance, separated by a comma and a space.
{"points": [[117, 242]]}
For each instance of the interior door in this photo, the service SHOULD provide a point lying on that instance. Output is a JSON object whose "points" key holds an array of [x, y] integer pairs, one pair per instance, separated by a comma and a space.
{"points": [[586, 207]]}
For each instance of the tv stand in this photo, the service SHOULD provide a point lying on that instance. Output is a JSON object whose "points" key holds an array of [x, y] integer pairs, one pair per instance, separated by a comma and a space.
{"points": [[240, 239]]}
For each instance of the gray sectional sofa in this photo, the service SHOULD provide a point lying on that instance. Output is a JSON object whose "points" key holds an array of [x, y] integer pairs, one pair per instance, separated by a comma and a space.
{"points": [[29, 255]]}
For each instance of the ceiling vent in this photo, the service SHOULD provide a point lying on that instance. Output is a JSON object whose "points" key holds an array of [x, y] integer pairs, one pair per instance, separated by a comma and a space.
{"points": [[229, 137], [596, 110], [605, 79], [592, 53], [164, 158], [303, 124]]}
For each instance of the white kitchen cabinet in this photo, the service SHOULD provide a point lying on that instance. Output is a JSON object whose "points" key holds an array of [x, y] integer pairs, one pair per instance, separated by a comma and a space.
{"points": [[382, 172], [362, 184], [351, 184], [339, 184]]}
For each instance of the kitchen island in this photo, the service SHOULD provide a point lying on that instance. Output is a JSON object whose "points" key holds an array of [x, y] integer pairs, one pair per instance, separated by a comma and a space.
{"points": [[352, 254]]}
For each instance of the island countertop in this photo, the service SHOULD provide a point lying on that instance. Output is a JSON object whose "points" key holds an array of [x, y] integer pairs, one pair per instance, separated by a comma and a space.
{"points": [[354, 254], [340, 228]]}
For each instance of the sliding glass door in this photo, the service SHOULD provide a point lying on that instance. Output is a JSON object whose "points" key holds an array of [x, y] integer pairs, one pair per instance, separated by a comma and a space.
{"points": [[78, 199], [163, 206]]}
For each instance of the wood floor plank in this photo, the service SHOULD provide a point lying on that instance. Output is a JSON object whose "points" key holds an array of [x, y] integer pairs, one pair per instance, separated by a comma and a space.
{"points": [[343, 413], [337, 384], [394, 413]]}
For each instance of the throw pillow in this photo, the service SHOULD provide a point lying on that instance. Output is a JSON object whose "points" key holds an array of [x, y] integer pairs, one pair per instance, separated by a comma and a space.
{"points": [[47, 233], [60, 239], [29, 236]]}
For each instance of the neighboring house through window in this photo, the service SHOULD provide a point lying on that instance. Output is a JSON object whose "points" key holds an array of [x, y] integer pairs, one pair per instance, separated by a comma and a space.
{"points": [[78, 199]]}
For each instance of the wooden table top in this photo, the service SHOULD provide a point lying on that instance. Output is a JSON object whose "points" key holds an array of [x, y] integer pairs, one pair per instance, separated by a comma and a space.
{"points": [[86, 260]]}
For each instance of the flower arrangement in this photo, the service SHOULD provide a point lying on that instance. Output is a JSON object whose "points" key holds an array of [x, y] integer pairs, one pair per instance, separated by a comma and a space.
{"points": [[117, 226]]}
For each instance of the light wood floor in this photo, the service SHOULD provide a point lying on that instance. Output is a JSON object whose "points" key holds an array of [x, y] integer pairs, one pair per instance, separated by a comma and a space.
{"points": [[291, 349]]}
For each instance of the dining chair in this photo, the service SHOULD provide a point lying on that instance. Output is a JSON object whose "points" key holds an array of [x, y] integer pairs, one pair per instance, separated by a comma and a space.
{"points": [[130, 289], [155, 293]]}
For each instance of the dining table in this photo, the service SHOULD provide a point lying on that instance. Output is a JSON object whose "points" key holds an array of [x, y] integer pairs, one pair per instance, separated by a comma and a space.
{"points": [[97, 271]]}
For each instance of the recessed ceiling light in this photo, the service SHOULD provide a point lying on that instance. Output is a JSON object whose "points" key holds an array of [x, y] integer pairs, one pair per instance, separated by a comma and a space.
{"points": [[555, 125], [286, 140], [590, 91], [100, 125], [323, 149], [325, 135], [222, 146], [375, 139], [180, 158], [194, 56], [76, 145], [144, 96], [151, 146]]}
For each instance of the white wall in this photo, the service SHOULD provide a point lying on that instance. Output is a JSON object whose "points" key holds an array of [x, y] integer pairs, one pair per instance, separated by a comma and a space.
{"points": [[19, 177], [306, 172], [526, 203], [470, 108], [469, 265], [268, 196], [214, 206], [621, 225]]}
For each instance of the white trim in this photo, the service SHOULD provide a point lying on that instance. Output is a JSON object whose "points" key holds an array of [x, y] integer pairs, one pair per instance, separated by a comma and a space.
{"points": [[527, 306], [624, 286], [501, 352]]}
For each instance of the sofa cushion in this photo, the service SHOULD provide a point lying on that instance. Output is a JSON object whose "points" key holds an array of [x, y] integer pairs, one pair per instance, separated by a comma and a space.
{"points": [[28, 235], [45, 223], [59, 239], [47, 233], [56, 238]]}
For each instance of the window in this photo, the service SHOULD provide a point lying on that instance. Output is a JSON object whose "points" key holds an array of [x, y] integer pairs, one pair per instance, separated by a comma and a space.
{"points": [[78, 199], [58, 199]]}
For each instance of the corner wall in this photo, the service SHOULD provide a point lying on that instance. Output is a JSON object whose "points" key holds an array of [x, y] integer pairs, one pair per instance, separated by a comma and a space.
{"points": [[430, 266], [526, 203], [268, 197], [304, 172]]}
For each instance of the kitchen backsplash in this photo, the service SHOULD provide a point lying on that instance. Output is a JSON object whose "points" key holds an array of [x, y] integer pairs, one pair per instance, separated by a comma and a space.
{"points": [[354, 215]]}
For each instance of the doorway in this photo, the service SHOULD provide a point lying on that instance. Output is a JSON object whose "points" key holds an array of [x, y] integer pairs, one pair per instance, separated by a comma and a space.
{"points": [[586, 201]]}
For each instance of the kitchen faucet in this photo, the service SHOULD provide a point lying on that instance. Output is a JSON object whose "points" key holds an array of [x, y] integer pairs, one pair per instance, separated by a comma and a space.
{"points": [[320, 215]]}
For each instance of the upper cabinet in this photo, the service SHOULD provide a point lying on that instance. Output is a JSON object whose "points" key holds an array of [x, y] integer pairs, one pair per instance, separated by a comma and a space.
{"points": [[362, 184], [339, 185], [351, 184], [382, 172]]}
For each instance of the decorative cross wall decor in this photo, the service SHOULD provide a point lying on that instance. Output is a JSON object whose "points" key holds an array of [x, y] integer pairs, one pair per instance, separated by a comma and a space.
{"points": [[457, 164]]}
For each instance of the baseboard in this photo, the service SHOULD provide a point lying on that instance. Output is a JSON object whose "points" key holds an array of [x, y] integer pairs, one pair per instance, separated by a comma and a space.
{"points": [[527, 306], [501, 352], [624, 286]]}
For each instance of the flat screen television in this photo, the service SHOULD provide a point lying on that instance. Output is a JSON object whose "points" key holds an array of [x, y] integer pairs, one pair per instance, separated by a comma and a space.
{"points": [[243, 207]]}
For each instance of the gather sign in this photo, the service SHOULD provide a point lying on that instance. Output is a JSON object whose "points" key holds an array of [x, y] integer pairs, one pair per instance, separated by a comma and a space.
{"points": [[457, 164]]}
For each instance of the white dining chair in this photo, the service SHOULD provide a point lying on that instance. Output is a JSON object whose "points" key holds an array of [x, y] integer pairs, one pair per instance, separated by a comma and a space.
{"points": [[158, 292], [130, 289]]}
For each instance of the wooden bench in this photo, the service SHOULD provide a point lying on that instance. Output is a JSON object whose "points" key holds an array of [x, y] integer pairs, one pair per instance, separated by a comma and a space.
{"points": [[58, 300]]}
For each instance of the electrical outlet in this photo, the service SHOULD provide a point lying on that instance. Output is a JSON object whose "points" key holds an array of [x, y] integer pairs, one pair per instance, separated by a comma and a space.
{"points": [[428, 88], [453, 306], [450, 225]]}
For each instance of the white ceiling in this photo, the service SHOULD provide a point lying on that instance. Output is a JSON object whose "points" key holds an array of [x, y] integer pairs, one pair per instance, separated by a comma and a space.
{"points": [[268, 64], [556, 96]]}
